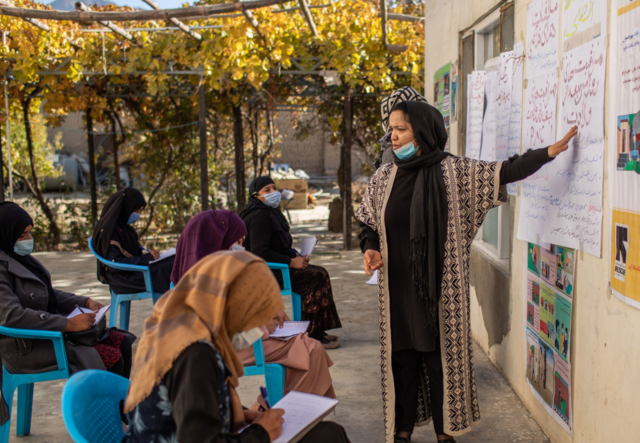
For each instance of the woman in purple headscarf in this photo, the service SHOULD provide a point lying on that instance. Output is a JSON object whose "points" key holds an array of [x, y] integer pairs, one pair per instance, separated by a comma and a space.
{"points": [[306, 360]]}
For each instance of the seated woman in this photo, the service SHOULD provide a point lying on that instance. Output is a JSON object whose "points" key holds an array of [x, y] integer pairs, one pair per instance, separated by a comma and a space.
{"points": [[116, 240], [268, 237], [186, 368], [306, 360], [28, 301]]}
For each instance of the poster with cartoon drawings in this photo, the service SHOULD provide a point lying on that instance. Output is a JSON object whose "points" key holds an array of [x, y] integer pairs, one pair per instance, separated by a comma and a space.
{"points": [[549, 291]]}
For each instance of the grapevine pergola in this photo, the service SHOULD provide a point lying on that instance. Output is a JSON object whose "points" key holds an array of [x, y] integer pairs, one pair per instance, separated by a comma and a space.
{"points": [[84, 13]]}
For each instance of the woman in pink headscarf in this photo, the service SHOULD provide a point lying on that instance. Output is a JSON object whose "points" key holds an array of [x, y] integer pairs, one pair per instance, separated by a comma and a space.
{"points": [[306, 360]]}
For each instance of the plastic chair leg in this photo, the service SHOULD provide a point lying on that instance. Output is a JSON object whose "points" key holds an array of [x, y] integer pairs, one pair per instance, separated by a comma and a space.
{"points": [[25, 407], [113, 312], [7, 394], [125, 310], [274, 378], [296, 305]]}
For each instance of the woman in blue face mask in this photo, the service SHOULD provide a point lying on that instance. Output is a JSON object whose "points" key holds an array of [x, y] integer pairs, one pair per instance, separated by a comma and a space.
{"points": [[268, 237], [29, 301], [419, 215], [115, 239]]}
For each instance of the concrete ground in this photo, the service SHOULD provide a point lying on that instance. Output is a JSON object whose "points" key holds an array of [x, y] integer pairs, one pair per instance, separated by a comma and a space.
{"points": [[356, 373]]}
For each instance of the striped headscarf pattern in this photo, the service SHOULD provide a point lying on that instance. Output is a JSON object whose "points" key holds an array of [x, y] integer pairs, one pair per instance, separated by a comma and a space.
{"points": [[404, 94], [223, 294]]}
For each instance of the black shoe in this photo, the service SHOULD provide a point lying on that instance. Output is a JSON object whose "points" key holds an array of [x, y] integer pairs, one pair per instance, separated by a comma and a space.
{"points": [[397, 439], [449, 440]]}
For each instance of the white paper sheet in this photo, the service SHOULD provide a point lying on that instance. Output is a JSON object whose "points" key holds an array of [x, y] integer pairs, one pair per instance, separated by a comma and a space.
{"points": [[575, 211], [168, 253], [290, 328], [580, 15], [374, 278], [543, 21], [515, 115], [301, 410], [101, 312], [308, 245], [538, 131], [488, 150], [503, 103], [475, 111]]}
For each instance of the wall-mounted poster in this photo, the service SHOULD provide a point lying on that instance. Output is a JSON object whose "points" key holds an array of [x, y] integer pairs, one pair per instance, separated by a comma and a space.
{"points": [[475, 112], [454, 91], [442, 95], [624, 146], [547, 310]]}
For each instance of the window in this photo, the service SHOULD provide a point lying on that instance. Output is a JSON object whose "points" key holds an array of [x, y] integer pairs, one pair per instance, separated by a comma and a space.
{"points": [[480, 45]]}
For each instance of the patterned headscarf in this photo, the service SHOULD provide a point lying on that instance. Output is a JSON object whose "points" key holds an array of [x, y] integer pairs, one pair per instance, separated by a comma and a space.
{"points": [[223, 294], [404, 94]]}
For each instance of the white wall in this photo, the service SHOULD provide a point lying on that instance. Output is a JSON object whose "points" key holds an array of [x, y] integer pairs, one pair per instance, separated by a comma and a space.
{"points": [[605, 353]]}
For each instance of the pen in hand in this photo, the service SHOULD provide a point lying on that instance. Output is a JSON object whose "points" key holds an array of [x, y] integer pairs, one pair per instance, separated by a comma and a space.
{"points": [[144, 249], [263, 392]]}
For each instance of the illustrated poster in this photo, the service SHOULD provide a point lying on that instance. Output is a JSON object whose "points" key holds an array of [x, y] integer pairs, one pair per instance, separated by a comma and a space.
{"points": [[624, 145], [548, 312], [442, 95]]}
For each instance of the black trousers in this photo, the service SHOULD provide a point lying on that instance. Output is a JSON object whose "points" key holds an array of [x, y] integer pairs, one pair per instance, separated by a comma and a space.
{"points": [[407, 370]]}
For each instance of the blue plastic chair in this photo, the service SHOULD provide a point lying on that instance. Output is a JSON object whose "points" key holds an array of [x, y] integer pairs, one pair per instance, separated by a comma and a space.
{"points": [[91, 406], [24, 382], [296, 300], [274, 374], [123, 301]]}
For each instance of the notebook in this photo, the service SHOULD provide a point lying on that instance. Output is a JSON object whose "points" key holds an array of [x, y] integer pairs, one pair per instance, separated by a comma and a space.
{"points": [[101, 312], [290, 328], [308, 245], [168, 253], [301, 413]]}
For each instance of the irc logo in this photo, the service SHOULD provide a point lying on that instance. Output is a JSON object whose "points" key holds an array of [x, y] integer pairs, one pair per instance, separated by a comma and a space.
{"points": [[622, 244]]}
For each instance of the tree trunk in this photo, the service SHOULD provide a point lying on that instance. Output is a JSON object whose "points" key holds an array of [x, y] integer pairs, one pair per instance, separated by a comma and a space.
{"points": [[54, 230], [1, 170], [265, 154], [255, 139], [204, 164], [92, 170], [238, 140], [116, 145], [346, 171]]}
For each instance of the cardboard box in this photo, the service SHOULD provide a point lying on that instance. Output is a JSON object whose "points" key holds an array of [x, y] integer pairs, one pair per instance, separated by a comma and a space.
{"points": [[300, 190]]}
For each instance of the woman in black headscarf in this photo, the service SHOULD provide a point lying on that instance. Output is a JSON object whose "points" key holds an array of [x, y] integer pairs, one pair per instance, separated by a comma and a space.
{"points": [[116, 240], [29, 301], [420, 214], [268, 237]]}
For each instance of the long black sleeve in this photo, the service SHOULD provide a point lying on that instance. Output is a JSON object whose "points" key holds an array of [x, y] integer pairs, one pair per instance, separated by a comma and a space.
{"points": [[114, 254], [369, 238], [522, 166], [260, 232], [193, 384]]}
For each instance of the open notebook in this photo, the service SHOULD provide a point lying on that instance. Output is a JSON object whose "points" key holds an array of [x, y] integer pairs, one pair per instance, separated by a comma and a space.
{"points": [[301, 413], [290, 328], [101, 312], [166, 254], [308, 245]]}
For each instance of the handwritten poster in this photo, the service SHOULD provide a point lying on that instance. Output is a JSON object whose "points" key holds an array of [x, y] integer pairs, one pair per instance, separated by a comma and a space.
{"points": [[539, 128], [538, 131], [515, 115], [624, 160], [548, 313], [503, 103], [475, 111], [488, 149], [543, 20], [579, 16], [575, 209]]}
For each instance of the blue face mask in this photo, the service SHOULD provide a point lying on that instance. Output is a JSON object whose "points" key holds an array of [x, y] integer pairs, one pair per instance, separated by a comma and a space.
{"points": [[273, 199], [406, 152], [23, 247], [133, 218]]}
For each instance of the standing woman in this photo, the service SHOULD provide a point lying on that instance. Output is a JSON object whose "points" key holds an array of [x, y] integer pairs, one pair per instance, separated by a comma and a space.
{"points": [[420, 215], [269, 238], [116, 240]]}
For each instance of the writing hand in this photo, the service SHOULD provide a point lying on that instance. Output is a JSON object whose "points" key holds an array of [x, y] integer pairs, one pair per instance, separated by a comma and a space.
{"points": [[271, 420], [271, 326], [80, 322], [372, 261], [563, 144], [155, 254], [281, 318], [251, 416]]}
